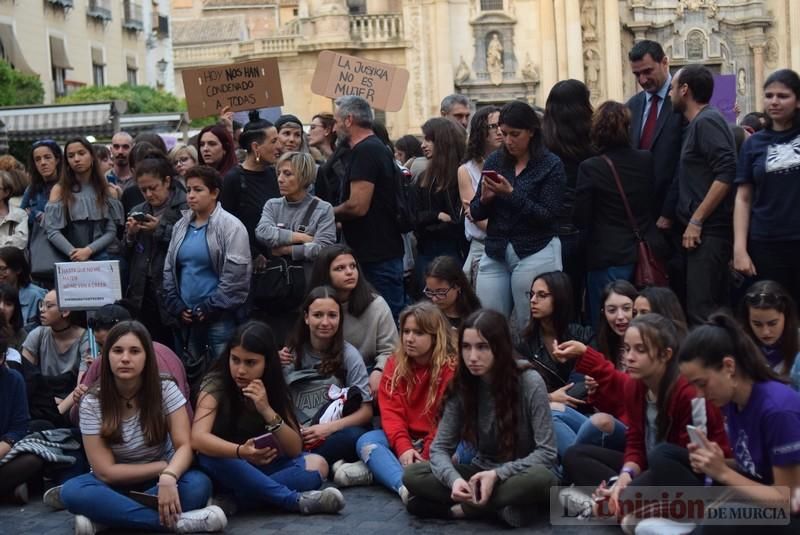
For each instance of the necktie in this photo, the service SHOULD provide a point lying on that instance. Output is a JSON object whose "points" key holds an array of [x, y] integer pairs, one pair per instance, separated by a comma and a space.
{"points": [[650, 124]]}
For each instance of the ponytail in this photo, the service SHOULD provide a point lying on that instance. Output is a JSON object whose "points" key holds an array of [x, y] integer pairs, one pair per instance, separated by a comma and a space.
{"points": [[720, 337]]}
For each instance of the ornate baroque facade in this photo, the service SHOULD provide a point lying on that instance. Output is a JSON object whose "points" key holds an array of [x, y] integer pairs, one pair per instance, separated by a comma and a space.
{"points": [[491, 50]]}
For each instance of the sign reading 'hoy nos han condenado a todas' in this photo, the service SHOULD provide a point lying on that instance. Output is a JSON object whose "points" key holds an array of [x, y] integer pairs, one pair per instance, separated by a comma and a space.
{"points": [[239, 86], [381, 84]]}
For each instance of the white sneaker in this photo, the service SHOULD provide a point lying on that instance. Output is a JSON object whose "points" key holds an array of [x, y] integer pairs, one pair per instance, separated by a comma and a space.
{"points": [[84, 526], [663, 526], [52, 498], [328, 501], [578, 504], [352, 474], [403, 492], [205, 520]]}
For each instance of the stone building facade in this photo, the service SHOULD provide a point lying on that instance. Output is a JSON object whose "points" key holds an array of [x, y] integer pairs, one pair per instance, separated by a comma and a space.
{"points": [[491, 50]]}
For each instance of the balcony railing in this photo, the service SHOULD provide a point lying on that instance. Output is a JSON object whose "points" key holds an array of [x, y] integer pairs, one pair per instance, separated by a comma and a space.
{"points": [[211, 53], [133, 17], [99, 9], [376, 28], [63, 4]]}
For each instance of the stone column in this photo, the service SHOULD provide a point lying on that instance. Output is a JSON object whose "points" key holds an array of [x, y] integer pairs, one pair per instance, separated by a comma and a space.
{"points": [[613, 50], [758, 68], [561, 38], [794, 29], [574, 39], [547, 22]]}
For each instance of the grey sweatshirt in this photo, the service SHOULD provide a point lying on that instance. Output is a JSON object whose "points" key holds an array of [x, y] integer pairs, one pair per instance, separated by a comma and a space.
{"points": [[535, 440], [374, 333], [280, 218]]}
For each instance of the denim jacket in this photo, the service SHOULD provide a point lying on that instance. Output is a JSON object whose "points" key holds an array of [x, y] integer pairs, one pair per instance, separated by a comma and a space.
{"points": [[229, 248]]}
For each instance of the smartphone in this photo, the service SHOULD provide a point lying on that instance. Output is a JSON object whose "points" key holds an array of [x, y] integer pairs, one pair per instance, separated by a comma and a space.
{"points": [[694, 435], [478, 495], [491, 175], [139, 216], [148, 500], [267, 440]]}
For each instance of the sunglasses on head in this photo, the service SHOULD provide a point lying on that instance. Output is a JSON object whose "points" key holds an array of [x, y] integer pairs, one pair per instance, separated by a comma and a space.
{"points": [[43, 142], [762, 299]]}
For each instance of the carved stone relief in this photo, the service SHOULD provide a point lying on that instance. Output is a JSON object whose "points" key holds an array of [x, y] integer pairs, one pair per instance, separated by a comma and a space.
{"points": [[494, 59], [591, 67], [589, 21], [771, 55], [695, 45]]}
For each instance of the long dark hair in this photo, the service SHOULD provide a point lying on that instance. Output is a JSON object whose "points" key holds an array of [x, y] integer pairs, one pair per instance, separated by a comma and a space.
{"points": [[151, 413], [493, 327], [568, 120], [517, 114], [790, 79], [229, 159], [721, 336], [361, 296], [15, 260], [662, 300], [608, 341], [37, 180], [560, 288], [659, 334], [69, 181], [333, 357], [769, 295], [9, 294], [254, 337], [449, 141], [478, 130], [447, 269]]}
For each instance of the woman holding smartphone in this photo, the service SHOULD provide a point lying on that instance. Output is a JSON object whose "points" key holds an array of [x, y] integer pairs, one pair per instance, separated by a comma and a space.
{"points": [[502, 411], [520, 194], [136, 434], [242, 397]]}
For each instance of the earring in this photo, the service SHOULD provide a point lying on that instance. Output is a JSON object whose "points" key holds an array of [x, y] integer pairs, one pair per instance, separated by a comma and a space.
{"points": [[258, 158]]}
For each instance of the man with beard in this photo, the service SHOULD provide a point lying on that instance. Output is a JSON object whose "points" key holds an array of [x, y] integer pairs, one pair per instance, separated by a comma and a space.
{"points": [[121, 174]]}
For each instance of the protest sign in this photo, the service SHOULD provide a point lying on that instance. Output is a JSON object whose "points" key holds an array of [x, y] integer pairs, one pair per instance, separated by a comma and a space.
{"points": [[381, 84], [724, 96], [87, 285], [242, 86]]}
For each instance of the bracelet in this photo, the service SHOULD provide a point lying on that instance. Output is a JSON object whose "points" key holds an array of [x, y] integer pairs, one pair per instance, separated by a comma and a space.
{"points": [[237, 451], [696, 223], [628, 470], [169, 473], [274, 425]]}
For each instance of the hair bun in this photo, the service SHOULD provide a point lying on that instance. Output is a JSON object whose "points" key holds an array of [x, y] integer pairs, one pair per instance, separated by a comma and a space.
{"points": [[253, 115]]}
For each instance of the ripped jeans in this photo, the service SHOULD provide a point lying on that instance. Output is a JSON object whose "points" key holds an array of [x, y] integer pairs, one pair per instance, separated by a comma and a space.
{"points": [[373, 448]]}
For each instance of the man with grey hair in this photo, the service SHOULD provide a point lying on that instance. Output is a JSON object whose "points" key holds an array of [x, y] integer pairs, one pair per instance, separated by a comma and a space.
{"points": [[456, 107], [368, 208]]}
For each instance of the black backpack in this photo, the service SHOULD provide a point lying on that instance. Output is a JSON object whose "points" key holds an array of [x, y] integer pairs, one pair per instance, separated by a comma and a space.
{"points": [[405, 199]]}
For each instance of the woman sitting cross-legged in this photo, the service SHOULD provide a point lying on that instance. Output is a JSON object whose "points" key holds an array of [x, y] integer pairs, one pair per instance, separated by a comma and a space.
{"points": [[500, 407], [136, 434], [410, 395], [241, 398]]}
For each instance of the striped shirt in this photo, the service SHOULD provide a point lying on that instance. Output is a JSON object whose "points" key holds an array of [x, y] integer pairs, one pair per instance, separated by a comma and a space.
{"points": [[133, 449]]}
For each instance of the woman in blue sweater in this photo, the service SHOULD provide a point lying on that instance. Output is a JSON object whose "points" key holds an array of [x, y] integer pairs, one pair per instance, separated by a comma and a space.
{"points": [[521, 192]]}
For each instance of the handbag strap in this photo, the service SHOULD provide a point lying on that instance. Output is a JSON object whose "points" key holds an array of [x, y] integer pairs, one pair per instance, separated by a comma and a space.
{"points": [[631, 219], [310, 211]]}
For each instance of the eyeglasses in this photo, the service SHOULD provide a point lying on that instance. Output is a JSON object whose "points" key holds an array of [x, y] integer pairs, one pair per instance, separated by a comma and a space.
{"points": [[440, 293], [537, 296], [756, 299], [492, 126], [44, 305]]}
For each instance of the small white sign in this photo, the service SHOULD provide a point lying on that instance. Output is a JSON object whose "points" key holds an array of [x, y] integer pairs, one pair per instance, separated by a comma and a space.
{"points": [[87, 285]]}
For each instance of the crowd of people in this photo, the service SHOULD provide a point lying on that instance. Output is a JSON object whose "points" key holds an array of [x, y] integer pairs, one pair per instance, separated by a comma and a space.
{"points": [[522, 298]]}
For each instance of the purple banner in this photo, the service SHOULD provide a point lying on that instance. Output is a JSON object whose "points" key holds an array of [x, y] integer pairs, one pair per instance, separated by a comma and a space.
{"points": [[724, 97]]}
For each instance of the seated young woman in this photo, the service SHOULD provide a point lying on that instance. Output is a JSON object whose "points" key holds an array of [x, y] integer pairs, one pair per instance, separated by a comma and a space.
{"points": [[499, 407], [321, 359], [661, 300], [447, 287], [136, 436], [762, 417], [410, 396], [768, 315], [243, 397], [660, 404]]}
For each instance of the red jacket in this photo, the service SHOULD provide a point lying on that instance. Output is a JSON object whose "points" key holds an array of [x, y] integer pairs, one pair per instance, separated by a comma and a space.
{"points": [[610, 383], [679, 408], [403, 415]]}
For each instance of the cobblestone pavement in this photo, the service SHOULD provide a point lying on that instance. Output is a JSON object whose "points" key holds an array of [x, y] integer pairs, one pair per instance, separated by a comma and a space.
{"points": [[370, 510]]}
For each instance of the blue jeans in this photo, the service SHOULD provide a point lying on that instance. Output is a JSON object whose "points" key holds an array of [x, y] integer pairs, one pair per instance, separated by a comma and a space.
{"points": [[502, 284], [566, 425], [596, 281], [387, 278], [373, 448], [277, 483], [341, 445], [590, 434], [88, 496], [473, 260]]}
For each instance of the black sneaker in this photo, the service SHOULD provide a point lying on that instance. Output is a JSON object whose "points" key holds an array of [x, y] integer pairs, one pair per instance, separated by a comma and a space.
{"points": [[517, 517], [427, 509]]}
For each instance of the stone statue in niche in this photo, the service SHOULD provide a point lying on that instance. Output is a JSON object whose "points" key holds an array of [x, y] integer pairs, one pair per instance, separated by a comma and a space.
{"points": [[494, 60], [462, 72], [741, 82], [695, 45], [589, 21], [591, 67], [771, 53], [529, 72]]}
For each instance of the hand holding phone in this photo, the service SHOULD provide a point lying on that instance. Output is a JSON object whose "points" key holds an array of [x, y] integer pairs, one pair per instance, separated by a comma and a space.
{"points": [[493, 176], [267, 440], [139, 216]]}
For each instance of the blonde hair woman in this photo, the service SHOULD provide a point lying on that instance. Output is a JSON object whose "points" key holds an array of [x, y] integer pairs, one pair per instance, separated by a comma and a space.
{"points": [[410, 394]]}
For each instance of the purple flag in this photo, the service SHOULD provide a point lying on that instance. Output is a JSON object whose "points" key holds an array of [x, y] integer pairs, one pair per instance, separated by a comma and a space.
{"points": [[724, 96]]}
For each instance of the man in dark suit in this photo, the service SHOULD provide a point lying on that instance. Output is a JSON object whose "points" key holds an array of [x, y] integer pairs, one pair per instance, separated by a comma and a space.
{"points": [[655, 126]]}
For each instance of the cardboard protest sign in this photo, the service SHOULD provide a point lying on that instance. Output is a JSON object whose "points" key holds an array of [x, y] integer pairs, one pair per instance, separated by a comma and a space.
{"points": [[381, 84], [242, 86], [724, 96], [87, 285]]}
